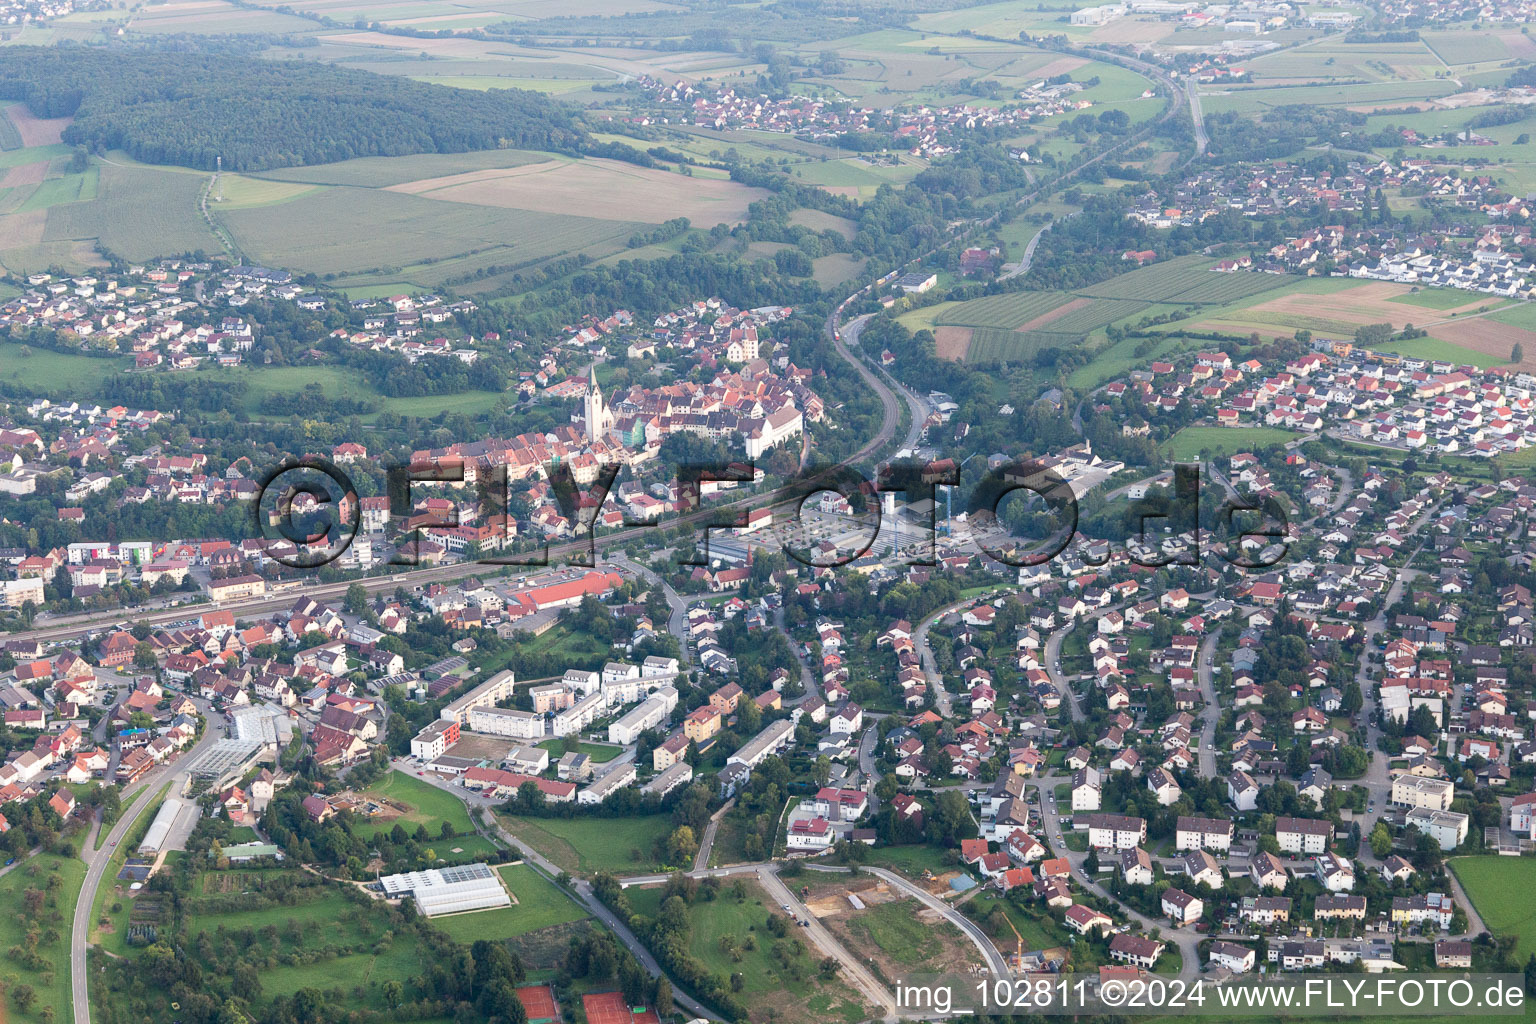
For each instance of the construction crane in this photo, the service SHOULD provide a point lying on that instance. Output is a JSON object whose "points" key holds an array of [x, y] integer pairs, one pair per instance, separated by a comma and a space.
{"points": [[1017, 960]]}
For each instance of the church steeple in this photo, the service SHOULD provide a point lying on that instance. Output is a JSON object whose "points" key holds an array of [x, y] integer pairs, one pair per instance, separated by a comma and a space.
{"points": [[596, 418]]}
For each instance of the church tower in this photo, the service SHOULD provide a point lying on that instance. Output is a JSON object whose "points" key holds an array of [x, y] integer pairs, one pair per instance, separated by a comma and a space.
{"points": [[596, 417]]}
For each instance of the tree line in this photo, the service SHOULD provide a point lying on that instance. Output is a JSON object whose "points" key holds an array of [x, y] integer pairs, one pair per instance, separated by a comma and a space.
{"points": [[193, 108]]}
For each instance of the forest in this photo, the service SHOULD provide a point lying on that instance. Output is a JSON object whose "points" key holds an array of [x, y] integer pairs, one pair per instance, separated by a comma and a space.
{"points": [[191, 108]]}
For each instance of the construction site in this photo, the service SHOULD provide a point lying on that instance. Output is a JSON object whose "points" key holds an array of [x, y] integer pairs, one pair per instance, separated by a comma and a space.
{"points": [[891, 932]]}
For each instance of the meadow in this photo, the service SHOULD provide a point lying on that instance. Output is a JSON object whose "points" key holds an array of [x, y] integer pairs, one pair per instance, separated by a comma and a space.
{"points": [[1187, 444], [428, 805], [50, 371], [1500, 888], [589, 845], [52, 927], [601, 753]]}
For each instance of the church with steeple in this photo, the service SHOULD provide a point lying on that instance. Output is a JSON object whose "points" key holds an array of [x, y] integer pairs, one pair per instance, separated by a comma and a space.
{"points": [[597, 418]]}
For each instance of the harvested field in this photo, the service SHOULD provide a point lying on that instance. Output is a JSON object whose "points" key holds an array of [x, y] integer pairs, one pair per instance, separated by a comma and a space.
{"points": [[1365, 304], [36, 131], [818, 220], [952, 342], [25, 174], [1054, 314], [1126, 30], [1059, 66], [1490, 338], [1519, 44], [607, 189], [19, 229]]}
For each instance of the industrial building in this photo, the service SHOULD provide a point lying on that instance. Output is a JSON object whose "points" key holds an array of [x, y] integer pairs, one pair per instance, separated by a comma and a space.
{"points": [[448, 890]]}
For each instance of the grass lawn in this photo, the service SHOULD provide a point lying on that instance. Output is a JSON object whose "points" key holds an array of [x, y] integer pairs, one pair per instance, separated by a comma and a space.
{"points": [[594, 844], [1187, 444], [52, 924], [599, 752], [46, 370], [540, 904], [428, 805], [1500, 888], [909, 860]]}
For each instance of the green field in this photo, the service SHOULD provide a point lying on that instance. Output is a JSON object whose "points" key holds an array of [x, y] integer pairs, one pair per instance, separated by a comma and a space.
{"points": [[540, 904], [340, 382], [1004, 311], [1501, 891], [1434, 348], [138, 212], [1185, 279], [71, 188], [590, 845], [428, 805], [49, 929], [47, 370], [1187, 444], [1435, 298], [1520, 315]]}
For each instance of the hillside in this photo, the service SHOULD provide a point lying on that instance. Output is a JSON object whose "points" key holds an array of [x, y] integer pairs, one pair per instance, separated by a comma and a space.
{"points": [[190, 109]]}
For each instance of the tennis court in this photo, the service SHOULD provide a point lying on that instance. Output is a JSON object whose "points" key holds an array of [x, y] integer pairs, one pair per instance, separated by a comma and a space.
{"points": [[539, 1002], [610, 1008]]}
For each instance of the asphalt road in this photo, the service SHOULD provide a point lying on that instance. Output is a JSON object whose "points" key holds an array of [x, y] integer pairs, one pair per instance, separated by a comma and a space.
{"points": [[97, 861]]}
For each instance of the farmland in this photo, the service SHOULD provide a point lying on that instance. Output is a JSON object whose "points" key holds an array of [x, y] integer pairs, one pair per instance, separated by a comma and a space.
{"points": [[605, 189], [1019, 325]]}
